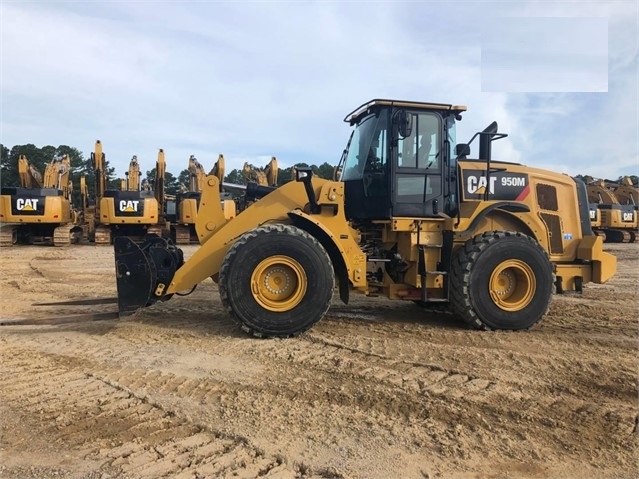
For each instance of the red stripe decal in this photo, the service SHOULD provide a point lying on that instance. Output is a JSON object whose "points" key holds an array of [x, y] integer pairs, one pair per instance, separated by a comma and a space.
{"points": [[523, 193]]}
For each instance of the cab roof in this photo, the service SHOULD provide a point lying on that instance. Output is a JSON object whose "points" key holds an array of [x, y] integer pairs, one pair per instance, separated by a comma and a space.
{"points": [[363, 109]]}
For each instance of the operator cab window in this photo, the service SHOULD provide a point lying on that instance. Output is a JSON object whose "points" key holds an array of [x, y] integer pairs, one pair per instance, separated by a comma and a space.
{"points": [[419, 150], [419, 159]]}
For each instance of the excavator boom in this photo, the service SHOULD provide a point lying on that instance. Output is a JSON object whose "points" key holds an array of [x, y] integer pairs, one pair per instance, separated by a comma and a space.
{"points": [[30, 177]]}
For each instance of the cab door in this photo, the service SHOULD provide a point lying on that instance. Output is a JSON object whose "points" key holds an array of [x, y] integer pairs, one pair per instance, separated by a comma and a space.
{"points": [[418, 161]]}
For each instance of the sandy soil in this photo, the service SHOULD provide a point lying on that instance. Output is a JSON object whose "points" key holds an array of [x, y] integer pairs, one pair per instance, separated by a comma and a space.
{"points": [[377, 389]]}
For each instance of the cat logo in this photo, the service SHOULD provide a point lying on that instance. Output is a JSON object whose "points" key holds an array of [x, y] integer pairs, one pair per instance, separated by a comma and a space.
{"points": [[27, 204], [628, 217], [593, 214], [129, 206], [498, 185], [477, 185]]}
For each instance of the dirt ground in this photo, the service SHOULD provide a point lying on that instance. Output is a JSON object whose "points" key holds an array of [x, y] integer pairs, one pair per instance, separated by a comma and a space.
{"points": [[377, 389]]}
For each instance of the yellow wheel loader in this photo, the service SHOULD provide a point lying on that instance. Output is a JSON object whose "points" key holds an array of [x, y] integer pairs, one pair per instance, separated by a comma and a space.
{"points": [[411, 218], [40, 210]]}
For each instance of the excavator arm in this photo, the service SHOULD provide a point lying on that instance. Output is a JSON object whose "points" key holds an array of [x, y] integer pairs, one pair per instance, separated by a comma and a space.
{"points": [[57, 175], [271, 172], [30, 177], [132, 182], [217, 170], [99, 168], [599, 193], [197, 175], [160, 174]]}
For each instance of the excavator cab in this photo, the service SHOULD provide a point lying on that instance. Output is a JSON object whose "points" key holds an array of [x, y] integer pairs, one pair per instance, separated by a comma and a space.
{"points": [[399, 160]]}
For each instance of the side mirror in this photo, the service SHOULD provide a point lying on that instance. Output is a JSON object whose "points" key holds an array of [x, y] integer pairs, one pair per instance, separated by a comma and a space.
{"points": [[462, 149], [404, 123]]}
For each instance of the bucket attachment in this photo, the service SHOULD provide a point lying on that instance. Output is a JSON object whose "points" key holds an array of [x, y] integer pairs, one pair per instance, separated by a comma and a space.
{"points": [[143, 272]]}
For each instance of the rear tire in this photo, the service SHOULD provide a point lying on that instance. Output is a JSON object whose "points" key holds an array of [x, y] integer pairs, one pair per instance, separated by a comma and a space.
{"points": [[276, 281], [501, 280]]}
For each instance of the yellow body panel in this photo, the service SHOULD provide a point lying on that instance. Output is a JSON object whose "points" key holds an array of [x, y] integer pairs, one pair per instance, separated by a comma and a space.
{"points": [[559, 232], [616, 218], [188, 211], [56, 210], [108, 212]]}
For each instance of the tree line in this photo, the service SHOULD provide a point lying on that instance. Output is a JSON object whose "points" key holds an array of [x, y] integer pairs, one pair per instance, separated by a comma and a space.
{"points": [[81, 166], [40, 157]]}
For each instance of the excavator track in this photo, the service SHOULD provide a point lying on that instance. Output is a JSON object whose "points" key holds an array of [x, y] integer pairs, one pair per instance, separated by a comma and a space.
{"points": [[67, 234], [103, 235], [619, 236], [601, 233], [8, 235], [182, 234], [155, 229]]}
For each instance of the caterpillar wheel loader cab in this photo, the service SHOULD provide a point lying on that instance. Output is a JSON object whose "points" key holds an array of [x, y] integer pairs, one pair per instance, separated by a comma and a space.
{"points": [[187, 202], [133, 211], [411, 218], [40, 210], [615, 218]]}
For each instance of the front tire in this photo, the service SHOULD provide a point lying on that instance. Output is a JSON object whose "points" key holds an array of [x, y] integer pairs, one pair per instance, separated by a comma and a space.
{"points": [[276, 281], [501, 280]]}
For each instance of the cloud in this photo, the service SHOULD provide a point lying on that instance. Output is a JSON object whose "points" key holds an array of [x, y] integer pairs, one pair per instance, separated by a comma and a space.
{"points": [[545, 54], [261, 79]]}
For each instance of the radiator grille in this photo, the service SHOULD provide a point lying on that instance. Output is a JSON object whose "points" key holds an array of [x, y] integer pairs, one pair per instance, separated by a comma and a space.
{"points": [[547, 197], [553, 223]]}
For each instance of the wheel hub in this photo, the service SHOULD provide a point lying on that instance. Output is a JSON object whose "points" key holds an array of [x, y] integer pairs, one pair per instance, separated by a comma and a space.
{"points": [[278, 283], [512, 285], [279, 278]]}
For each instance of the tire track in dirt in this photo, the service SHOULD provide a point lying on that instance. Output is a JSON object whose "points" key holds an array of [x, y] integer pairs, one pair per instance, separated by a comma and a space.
{"points": [[376, 389], [375, 370], [317, 356], [152, 440]]}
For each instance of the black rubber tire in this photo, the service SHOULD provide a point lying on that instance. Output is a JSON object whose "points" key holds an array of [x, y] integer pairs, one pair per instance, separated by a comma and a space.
{"points": [[248, 253], [472, 271]]}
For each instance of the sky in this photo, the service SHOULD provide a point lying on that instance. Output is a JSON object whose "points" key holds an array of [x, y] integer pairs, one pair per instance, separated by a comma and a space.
{"points": [[253, 80]]}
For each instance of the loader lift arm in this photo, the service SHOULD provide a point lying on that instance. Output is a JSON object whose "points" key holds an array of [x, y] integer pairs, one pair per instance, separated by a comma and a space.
{"points": [[153, 271]]}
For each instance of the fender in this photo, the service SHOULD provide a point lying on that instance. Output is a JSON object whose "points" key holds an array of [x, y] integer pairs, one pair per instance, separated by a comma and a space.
{"points": [[508, 206], [348, 260]]}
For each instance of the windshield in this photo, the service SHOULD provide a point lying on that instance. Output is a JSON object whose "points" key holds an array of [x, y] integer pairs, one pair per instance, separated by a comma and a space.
{"points": [[367, 148]]}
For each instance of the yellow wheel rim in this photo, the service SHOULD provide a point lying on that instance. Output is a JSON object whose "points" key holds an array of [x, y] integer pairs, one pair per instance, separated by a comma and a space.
{"points": [[278, 283], [512, 285]]}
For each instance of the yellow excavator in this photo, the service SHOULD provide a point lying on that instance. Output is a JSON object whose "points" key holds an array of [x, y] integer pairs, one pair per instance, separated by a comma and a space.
{"points": [[187, 202], [628, 196], [613, 210], [40, 210], [626, 192], [411, 218], [266, 176], [253, 175], [133, 211]]}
